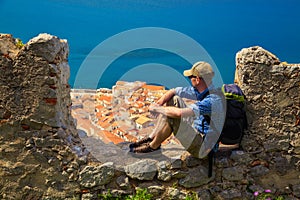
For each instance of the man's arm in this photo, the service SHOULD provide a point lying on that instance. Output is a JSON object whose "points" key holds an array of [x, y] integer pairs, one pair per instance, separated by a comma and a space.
{"points": [[166, 97], [171, 111]]}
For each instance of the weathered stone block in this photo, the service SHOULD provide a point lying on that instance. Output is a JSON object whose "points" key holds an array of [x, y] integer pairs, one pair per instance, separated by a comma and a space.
{"points": [[48, 47], [92, 176], [197, 177], [259, 170], [142, 170]]}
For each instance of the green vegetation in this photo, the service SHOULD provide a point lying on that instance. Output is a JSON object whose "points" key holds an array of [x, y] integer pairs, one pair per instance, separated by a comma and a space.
{"points": [[19, 43], [108, 196], [267, 195], [141, 194], [192, 196]]}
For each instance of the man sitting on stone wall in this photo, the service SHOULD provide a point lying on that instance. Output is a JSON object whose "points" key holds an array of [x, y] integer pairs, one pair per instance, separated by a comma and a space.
{"points": [[187, 123]]}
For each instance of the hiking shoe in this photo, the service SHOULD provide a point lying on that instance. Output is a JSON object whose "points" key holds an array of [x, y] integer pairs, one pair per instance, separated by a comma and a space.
{"points": [[139, 143], [144, 149]]}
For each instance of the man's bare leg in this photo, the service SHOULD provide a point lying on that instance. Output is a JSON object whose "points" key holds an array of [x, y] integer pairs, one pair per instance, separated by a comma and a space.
{"points": [[161, 136], [161, 121]]}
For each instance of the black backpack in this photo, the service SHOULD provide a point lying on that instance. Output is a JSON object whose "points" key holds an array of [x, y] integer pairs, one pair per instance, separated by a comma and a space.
{"points": [[236, 119]]}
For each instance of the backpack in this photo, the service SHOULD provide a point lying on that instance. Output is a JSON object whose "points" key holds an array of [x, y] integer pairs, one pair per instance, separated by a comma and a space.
{"points": [[235, 118]]}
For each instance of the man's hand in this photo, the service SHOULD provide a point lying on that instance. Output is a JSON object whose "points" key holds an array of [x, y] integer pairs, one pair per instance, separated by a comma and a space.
{"points": [[170, 111], [155, 110]]}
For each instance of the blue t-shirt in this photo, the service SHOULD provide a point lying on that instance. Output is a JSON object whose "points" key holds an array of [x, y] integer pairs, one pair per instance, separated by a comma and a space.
{"points": [[211, 105]]}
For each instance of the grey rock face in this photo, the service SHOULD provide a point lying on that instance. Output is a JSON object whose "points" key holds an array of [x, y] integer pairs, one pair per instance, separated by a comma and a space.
{"points": [[197, 177], [142, 170], [92, 176]]}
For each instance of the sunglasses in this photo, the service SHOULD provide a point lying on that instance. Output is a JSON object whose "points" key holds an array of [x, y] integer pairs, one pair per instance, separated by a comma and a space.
{"points": [[190, 77]]}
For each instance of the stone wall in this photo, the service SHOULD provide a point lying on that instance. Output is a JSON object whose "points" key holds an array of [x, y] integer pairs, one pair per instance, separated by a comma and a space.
{"points": [[42, 157], [272, 89], [37, 132]]}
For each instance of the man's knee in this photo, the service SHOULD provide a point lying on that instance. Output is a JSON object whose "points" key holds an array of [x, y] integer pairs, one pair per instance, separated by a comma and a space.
{"points": [[176, 101]]}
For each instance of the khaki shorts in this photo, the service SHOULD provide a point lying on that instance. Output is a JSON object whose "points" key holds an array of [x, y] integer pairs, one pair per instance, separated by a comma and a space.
{"points": [[183, 129]]}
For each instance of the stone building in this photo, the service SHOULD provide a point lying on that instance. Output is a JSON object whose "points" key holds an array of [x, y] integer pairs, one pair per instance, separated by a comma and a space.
{"points": [[143, 122]]}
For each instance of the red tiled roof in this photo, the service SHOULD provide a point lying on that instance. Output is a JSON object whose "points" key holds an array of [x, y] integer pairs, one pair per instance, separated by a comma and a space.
{"points": [[104, 124], [138, 104], [99, 107], [105, 98], [112, 137], [130, 138], [153, 87], [99, 115], [115, 124]]}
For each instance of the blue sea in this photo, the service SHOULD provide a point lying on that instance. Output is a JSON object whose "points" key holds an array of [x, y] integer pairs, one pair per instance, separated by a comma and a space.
{"points": [[154, 41]]}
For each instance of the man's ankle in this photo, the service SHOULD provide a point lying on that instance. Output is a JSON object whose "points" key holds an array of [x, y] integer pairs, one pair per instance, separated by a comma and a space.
{"points": [[153, 145]]}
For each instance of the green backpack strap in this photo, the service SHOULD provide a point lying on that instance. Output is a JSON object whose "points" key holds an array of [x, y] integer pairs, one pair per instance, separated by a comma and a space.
{"points": [[233, 92]]}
